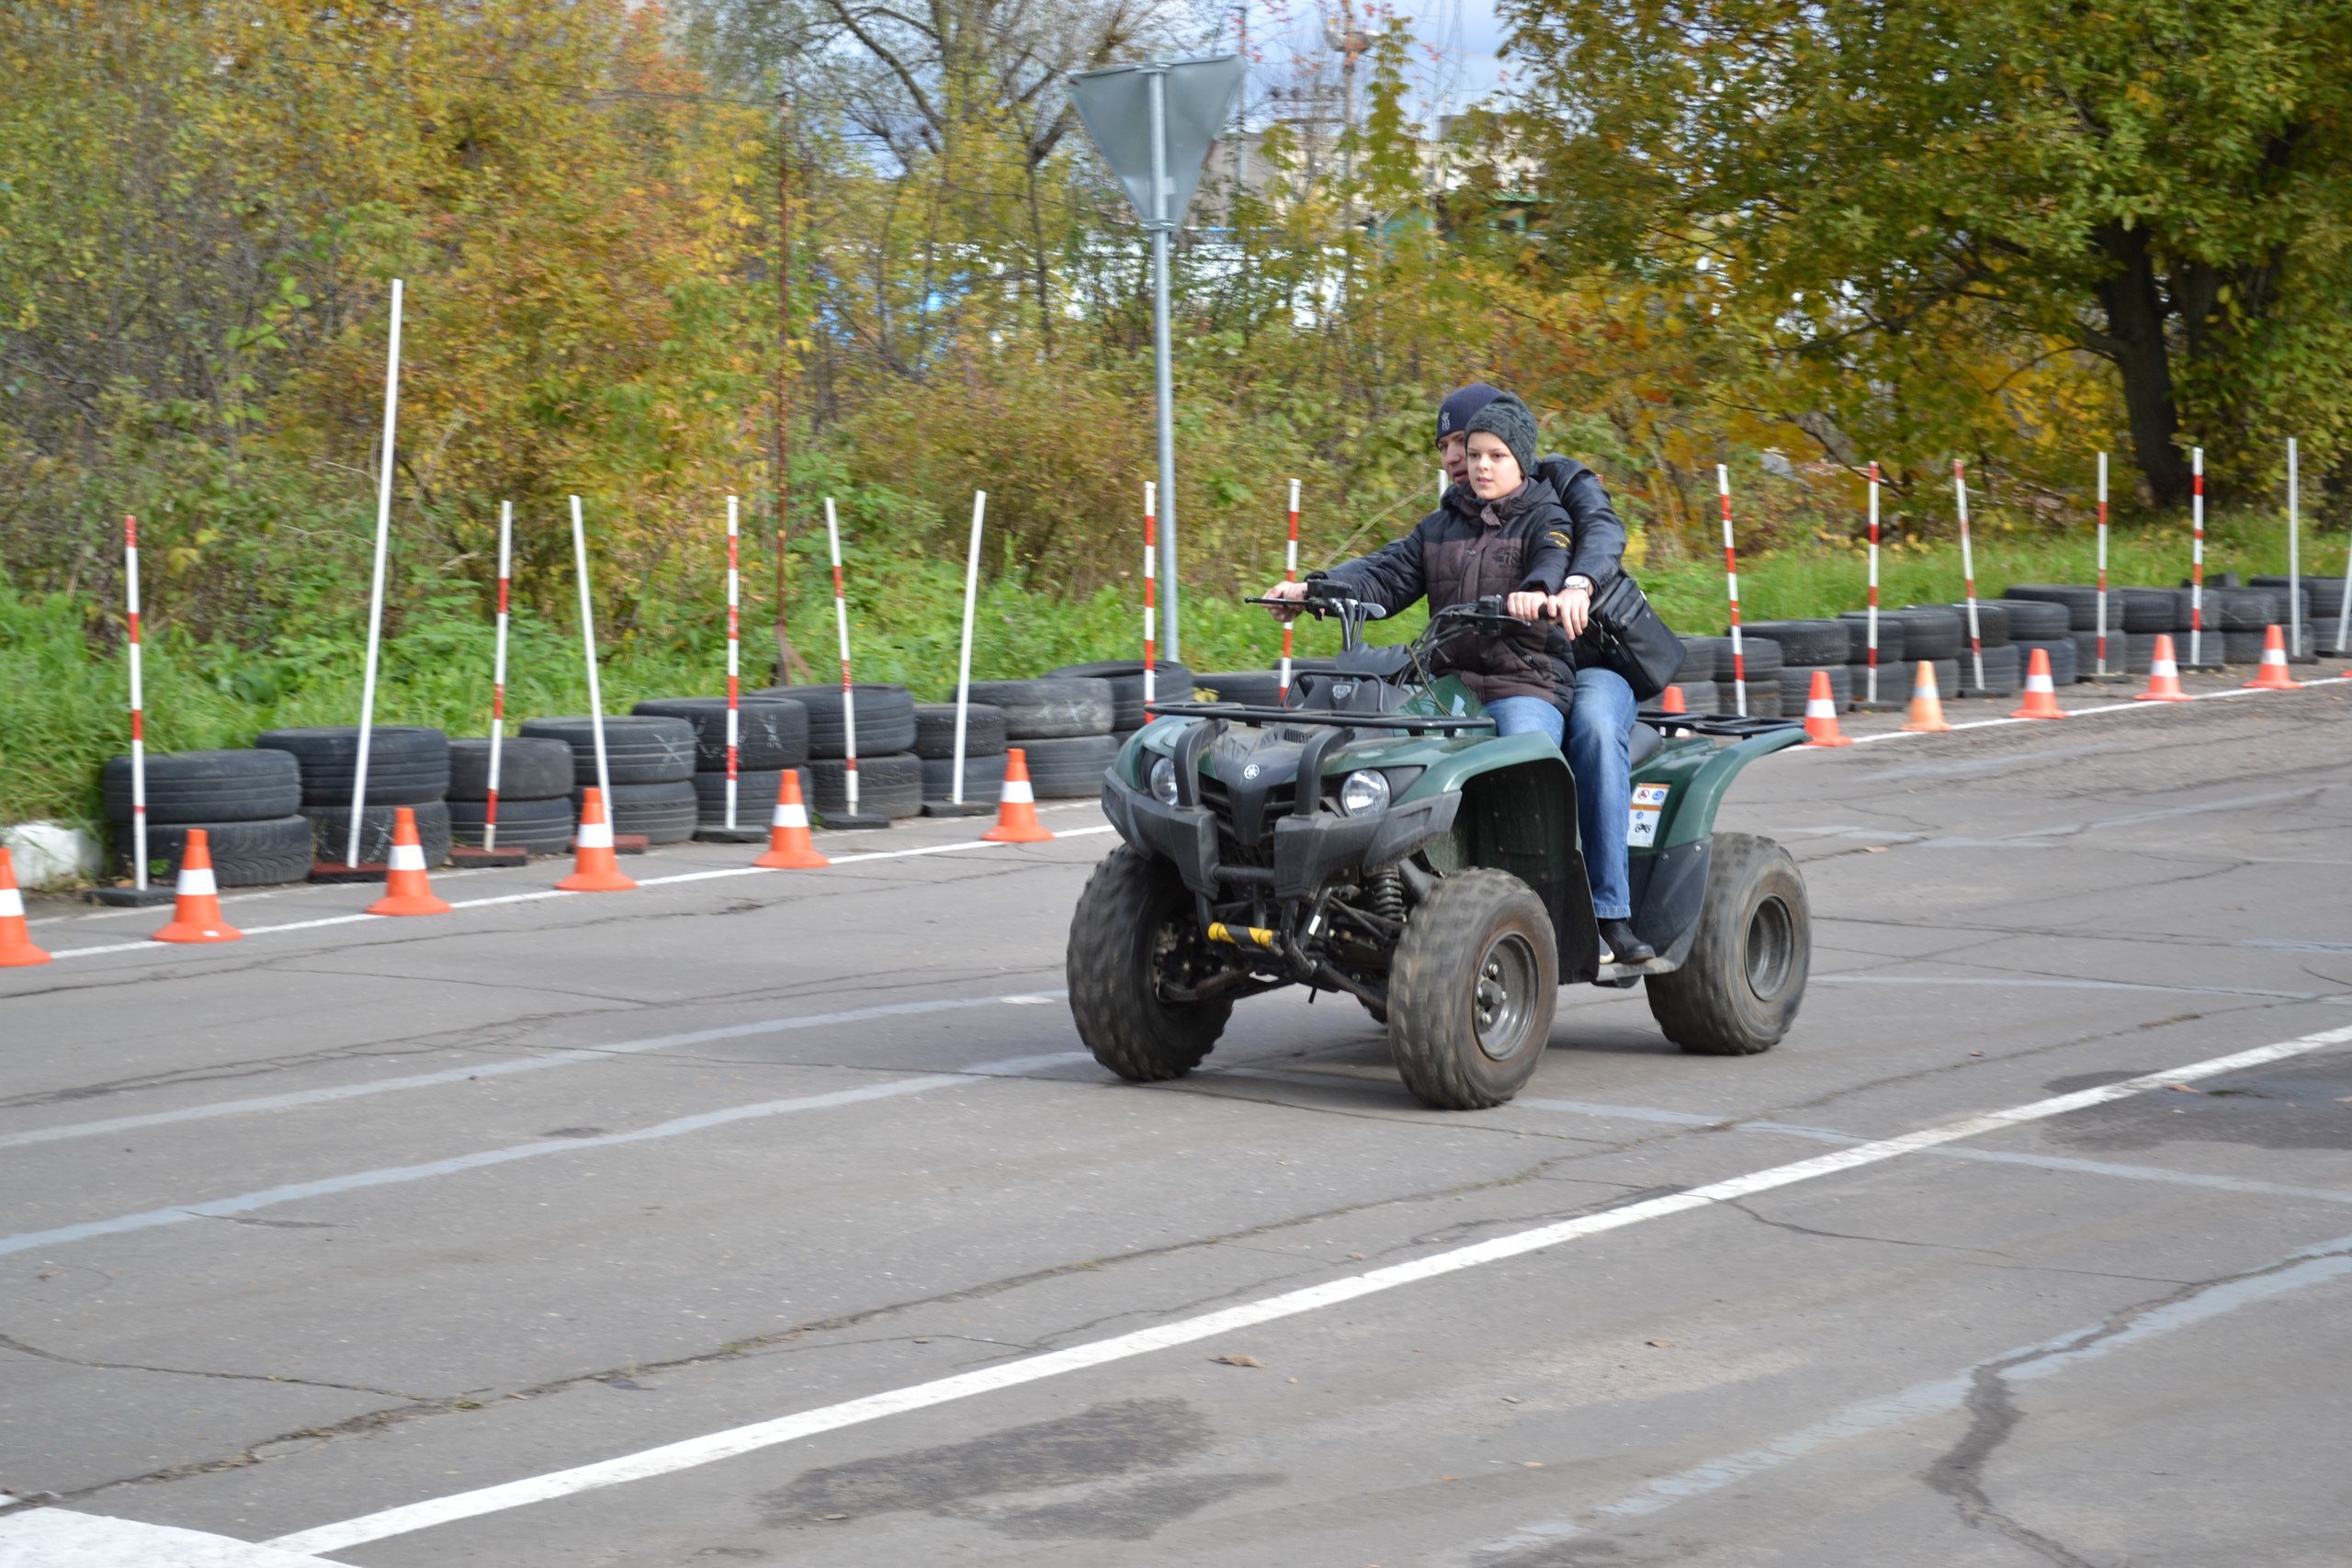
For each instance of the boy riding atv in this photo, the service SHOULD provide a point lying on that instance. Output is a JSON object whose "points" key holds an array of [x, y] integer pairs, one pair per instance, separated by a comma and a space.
{"points": [[1504, 529]]}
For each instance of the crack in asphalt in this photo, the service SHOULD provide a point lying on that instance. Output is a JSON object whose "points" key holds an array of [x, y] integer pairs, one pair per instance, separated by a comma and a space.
{"points": [[1994, 1415], [9, 1342]]}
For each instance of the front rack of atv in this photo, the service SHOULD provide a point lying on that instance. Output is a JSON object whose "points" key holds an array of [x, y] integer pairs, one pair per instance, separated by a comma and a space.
{"points": [[1737, 726], [1411, 724]]}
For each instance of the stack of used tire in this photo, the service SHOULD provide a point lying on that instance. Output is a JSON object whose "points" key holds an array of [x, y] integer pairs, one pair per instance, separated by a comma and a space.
{"points": [[1760, 657], [2243, 617], [534, 811], [2003, 668], [1895, 672], [2323, 612], [1255, 688], [984, 746], [771, 735], [2038, 625], [407, 765], [889, 774], [248, 803], [2081, 603], [1171, 683], [1919, 634], [2147, 613], [1807, 649], [1062, 726], [650, 763], [1696, 678]]}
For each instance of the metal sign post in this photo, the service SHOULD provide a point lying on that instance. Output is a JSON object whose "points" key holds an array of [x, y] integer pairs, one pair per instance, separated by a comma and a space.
{"points": [[1154, 124]]}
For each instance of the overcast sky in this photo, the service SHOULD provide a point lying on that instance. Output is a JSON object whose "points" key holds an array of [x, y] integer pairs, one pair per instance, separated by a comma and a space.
{"points": [[1459, 63]]}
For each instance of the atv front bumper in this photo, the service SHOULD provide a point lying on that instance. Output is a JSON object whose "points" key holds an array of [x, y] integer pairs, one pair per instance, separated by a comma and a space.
{"points": [[1313, 848]]}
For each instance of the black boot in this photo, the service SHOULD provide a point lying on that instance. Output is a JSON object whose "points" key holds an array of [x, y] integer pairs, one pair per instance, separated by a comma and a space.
{"points": [[1623, 946]]}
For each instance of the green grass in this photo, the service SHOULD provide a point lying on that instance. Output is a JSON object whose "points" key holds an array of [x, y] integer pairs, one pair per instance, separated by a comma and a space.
{"points": [[63, 692]]}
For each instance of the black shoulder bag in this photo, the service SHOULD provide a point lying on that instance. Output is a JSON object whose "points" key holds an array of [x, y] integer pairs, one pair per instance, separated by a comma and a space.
{"points": [[1627, 636]]}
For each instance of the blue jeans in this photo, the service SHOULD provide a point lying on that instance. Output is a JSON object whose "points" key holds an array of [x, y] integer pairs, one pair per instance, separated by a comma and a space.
{"points": [[1598, 732]]}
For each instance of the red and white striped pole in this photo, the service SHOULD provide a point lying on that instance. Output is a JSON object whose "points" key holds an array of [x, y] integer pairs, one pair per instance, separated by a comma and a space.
{"points": [[1290, 574], [1968, 572], [1150, 581], [1871, 678], [849, 702], [2102, 566], [2197, 556], [1731, 591], [498, 674], [734, 652], [138, 708]]}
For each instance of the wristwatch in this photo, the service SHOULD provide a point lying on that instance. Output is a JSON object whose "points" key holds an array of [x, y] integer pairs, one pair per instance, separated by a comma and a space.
{"points": [[1578, 581]]}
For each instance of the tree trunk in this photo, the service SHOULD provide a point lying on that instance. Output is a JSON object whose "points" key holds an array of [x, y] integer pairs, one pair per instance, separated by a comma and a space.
{"points": [[2134, 303]]}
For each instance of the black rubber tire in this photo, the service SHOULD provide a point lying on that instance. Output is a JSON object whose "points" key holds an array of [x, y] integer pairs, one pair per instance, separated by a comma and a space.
{"points": [[1700, 697], [1698, 659], [204, 787], [407, 765], [885, 714], [252, 853], [543, 827], [1796, 686], [2004, 672], [1738, 991], [1895, 682], [2323, 595], [1929, 631], [1471, 925], [983, 778], [636, 750], [331, 831], [1759, 657], [2035, 620], [663, 813], [1171, 683], [1050, 709], [889, 786], [755, 792], [2063, 669], [771, 733], [1763, 695], [2246, 609], [2144, 609], [936, 731], [1257, 688], [1071, 768], [2198, 651], [1992, 622], [1894, 637], [1804, 643], [2087, 650], [528, 768], [2081, 601], [1133, 911]]}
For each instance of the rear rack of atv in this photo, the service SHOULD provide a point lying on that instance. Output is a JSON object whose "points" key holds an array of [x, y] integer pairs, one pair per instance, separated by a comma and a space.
{"points": [[1734, 725], [1412, 724]]}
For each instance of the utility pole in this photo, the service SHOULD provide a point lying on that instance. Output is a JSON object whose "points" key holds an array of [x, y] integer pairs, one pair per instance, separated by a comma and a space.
{"points": [[788, 664]]}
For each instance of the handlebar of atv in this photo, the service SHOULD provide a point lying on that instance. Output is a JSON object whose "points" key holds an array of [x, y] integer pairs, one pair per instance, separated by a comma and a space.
{"points": [[1319, 607]]}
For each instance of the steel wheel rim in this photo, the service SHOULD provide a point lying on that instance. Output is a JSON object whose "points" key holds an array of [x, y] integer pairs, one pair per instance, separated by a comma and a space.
{"points": [[1502, 996], [1771, 948]]}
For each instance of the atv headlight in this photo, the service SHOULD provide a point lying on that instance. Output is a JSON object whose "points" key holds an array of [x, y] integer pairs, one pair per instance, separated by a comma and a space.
{"points": [[1363, 791], [1162, 779]]}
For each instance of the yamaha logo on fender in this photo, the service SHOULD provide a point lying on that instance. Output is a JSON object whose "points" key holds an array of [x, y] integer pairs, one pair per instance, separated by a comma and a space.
{"points": [[1250, 772]]}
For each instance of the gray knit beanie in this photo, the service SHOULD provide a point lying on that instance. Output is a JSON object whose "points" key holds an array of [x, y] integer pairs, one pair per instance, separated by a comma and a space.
{"points": [[1509, 418]]}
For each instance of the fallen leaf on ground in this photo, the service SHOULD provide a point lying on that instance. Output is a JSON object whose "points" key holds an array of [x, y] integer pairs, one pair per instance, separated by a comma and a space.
{"points": [[2183, 1089], [1660, 1343], [1873, 849], [1238, 1360]]}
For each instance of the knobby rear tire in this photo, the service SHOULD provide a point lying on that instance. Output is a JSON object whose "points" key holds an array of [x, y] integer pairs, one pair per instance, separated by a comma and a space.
{"points": [[1738, 992]]}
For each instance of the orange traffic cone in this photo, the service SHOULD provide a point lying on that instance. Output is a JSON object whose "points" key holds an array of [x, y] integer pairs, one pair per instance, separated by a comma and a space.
{"points": [[196, 911], [594, 869], [16, 949], [2164, 676], [1016, 809], [2273, 676], [1926, 704], [1821, 714], [2041, 696], [1670, 701], [406, 889], [790, 846]]}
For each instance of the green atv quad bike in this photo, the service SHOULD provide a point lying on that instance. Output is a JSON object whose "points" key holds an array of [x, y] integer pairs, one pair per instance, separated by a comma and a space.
{"points": [[1428, 867]]}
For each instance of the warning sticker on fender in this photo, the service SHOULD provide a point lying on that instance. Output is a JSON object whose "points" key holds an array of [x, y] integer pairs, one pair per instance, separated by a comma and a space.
{"points": [[1649, 806]]}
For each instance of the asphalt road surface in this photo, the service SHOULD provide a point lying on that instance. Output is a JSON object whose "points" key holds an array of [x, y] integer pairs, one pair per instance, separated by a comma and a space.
{"points": [[782, 1218]]}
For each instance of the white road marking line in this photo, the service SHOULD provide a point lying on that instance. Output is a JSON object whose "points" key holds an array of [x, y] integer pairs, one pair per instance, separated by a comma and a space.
{"points": [[2301, 1269], [59, 1538], [728, 1444], [537, 895], [511, 1066], [359, 1180], [2084, 713], [2058, 984]]}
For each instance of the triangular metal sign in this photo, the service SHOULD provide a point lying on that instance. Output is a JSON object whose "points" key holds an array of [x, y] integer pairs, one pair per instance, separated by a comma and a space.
{"points": [[1115, 103]]}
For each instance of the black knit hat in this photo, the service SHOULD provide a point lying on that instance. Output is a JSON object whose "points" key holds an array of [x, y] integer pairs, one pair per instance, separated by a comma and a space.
{"points": [[1454, 414], [1507, 417]]}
